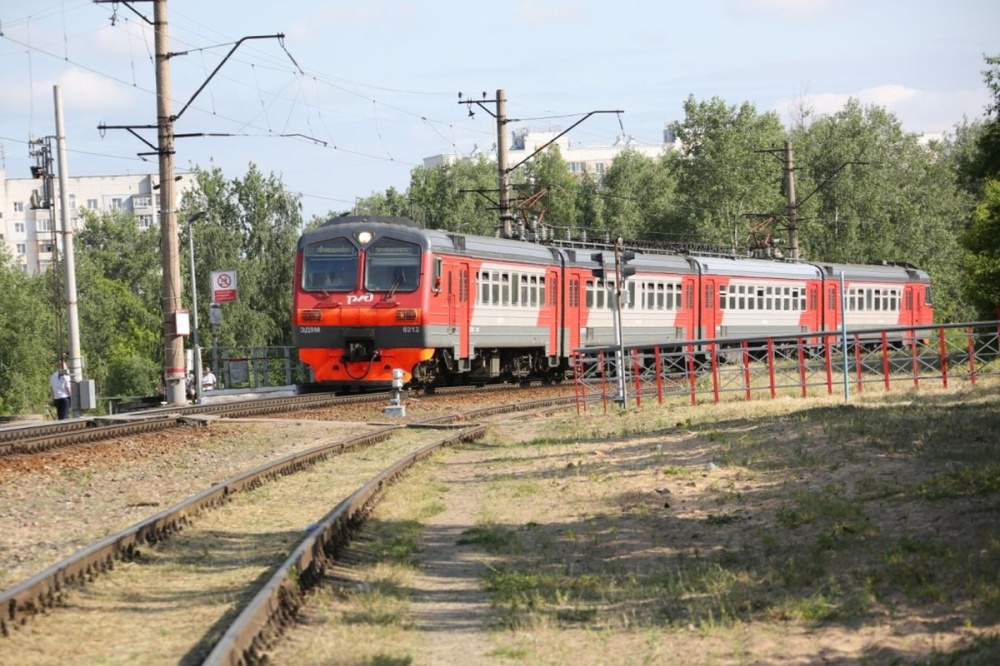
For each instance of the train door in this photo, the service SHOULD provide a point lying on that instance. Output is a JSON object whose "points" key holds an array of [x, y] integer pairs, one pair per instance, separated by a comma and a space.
{"points": [[814, 318], [572, 303], [550, 310], [463, 310], [709, 316], [831, 306]]}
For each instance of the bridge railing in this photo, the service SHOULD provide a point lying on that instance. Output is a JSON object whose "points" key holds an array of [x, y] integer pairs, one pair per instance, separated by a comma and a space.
{"points": [[789, 365]]}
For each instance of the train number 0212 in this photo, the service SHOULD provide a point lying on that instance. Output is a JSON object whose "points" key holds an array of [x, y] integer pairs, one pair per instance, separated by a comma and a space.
{"points": [[411, 329]]}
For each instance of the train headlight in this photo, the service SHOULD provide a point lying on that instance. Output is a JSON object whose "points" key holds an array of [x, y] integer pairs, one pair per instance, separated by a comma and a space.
{"points": [[364, 237]]}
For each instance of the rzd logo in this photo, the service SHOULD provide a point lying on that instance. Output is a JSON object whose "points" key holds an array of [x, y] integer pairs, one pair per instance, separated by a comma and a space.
{"points": [[363, 298]]}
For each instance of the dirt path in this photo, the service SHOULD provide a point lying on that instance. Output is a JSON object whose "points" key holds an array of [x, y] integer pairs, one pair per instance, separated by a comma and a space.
{"points": [[449, 605]]}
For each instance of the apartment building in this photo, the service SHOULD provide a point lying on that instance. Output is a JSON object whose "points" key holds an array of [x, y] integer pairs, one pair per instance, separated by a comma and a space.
{"points": [[29, 226], [581, 158]]}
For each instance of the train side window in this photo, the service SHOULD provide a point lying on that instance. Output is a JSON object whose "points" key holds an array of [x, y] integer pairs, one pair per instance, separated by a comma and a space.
{"points": [[768, 300], [589, 294], [524, 290], [868, 300], [515, 289], [541, 292], [533, 290], [893, 300], [505, 289], [660, 298], [760, 298], [484, 288], [438, 268], [927, 296]]}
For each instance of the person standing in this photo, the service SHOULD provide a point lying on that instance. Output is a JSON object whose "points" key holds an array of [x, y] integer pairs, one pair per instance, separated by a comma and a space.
{"points": [[62, 390], [208, 380]]}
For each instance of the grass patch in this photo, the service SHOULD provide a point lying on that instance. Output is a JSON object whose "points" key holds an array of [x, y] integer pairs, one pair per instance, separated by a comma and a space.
{"points": [[491, 537]]}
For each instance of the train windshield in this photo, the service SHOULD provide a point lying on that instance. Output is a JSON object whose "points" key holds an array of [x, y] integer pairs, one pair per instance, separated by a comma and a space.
{"points": [[330, 265], [392, 265]]}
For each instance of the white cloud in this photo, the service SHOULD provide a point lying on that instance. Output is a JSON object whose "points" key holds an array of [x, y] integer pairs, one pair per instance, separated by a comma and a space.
{"points": [[794, 10], [545, 13], [330, 18], [918, 110], [83, 91]]}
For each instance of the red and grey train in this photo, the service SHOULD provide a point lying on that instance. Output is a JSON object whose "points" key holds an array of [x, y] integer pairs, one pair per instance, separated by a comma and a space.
{"points": [[376, 294]]}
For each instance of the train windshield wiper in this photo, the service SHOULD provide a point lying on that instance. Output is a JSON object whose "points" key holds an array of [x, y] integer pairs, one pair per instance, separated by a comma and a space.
{"points": [[395, 285]]}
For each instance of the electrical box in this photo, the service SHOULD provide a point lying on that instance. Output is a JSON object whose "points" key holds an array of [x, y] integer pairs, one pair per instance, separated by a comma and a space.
{"points": [[85, 395], [182, 324]]}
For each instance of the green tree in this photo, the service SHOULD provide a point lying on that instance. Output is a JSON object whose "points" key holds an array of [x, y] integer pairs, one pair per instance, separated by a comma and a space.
{"points": [[982, 265], [460, 196], [876, 194], [548, 171], [27, 347], [119, 292], [639, 194], [722, 175], [251, 225]]}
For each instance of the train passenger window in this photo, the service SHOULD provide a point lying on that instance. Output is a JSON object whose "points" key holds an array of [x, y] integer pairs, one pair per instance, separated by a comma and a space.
{"points": [[330, 265], [533, 290], [484, 288], [660, 298], [868, 299], [589, 297], [671, 288], [515, 288], [631, 295], [524, 290], [877, 301], [495, 288], [600, 295], [894, 300], [927, 296], [505, 289], [760, 298], [392, 265]]}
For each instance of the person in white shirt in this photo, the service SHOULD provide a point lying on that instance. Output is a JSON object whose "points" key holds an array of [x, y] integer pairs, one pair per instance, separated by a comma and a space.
{"points": [[208, 381], [61, 389]]}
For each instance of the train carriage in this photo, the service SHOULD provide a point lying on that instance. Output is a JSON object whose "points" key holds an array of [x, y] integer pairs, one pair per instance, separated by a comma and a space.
{"points": [[374, 294]]}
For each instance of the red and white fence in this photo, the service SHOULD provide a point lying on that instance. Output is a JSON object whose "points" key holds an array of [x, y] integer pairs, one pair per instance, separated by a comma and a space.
{"points": [[810, 364]]}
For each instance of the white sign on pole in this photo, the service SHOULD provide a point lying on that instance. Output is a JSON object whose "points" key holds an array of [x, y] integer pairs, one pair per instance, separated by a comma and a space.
{"points": [[223, 286]]}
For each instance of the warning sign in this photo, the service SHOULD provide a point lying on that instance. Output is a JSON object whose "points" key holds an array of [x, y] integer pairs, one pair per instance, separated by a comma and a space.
{"points": [[223, 286]]}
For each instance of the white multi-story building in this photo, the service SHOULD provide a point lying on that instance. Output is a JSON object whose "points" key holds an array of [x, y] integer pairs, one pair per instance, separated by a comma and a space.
{"points": [[31, 233], [580, 158]]}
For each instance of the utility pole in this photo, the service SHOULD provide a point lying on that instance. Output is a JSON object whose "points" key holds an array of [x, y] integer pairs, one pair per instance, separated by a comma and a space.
{"points": [[506, 218], [503, 171], [174, 366], [72, 321], [792, 208]]}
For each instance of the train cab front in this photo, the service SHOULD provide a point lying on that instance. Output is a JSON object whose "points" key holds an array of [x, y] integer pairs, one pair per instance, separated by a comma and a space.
{"points": [[359, 303]]}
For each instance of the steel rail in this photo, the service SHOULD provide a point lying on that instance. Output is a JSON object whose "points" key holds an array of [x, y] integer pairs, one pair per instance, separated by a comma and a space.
{"points": [[263, 620], [46, 589]]}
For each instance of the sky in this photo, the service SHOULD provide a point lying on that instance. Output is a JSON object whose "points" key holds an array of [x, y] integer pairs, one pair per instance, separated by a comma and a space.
{"points": [[356, 94]]}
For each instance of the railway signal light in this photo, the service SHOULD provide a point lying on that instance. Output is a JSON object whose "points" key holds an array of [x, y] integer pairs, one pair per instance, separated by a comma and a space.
{"points": [[625, 270], [598, 272]]}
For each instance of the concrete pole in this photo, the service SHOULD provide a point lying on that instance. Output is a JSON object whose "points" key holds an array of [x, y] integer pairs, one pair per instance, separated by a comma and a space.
{"points": [[73, 324], [173, 351], [793, 231], [194, 310], [503, 173]]}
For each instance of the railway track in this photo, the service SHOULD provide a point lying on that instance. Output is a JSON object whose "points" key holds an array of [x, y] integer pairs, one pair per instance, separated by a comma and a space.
{"points": [[281, 594], [33, 438]]}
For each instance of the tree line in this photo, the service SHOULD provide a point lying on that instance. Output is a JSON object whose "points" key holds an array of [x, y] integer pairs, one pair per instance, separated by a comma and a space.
{"points": [[869, 192]]}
